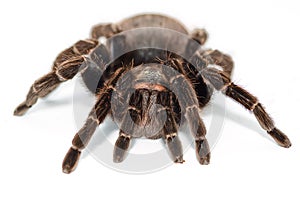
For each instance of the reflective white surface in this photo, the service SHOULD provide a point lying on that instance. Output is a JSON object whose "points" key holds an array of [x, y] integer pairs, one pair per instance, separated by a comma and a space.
{"points": [[261, 36]]}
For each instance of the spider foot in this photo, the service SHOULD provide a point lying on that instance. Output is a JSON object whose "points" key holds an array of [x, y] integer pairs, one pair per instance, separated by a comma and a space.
{"points": [[21, 109], [202, 151], [119, 155], [280, 138], [121, 148], [179, 160], [174, 148], [71, 160]]}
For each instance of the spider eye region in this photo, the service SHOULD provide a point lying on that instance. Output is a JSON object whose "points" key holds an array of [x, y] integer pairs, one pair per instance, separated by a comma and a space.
{"points": [[150, 77]]}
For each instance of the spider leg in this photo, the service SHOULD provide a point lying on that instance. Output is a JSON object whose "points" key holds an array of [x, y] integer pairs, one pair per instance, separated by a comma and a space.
{"points": [[198, 130], [121, 147], [218, 58], [200, 35], [171, 138], [102, 107], [104, 30], [220, 81], [65, 67], [188, 100], [83, 136], [170, 128], [130, 122]]}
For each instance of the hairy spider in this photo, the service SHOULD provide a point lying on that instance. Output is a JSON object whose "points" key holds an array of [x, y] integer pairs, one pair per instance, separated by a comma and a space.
{"points": [[119, 74]]}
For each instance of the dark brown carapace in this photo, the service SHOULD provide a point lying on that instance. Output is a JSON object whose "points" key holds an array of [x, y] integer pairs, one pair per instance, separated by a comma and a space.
{"points": [[148, 91]]}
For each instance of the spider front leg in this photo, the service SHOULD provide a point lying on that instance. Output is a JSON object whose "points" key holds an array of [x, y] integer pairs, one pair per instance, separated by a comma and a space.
{"points": [[169, 131], [65, 67], [82, 138], [170, 134], [220, 81], [198, 130], [121, 147], [188, 100], [128, 127]]}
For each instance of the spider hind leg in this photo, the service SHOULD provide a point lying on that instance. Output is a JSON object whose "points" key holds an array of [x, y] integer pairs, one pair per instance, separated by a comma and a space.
{"points": [[66, 66], [200, 35], [220, 81]]}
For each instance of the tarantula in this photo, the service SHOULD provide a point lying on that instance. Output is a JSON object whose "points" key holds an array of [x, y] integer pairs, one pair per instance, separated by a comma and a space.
{"points": [[129, 83]]}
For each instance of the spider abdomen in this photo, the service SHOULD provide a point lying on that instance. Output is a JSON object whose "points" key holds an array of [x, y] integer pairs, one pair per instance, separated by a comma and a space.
{"points": [[151, 20]]}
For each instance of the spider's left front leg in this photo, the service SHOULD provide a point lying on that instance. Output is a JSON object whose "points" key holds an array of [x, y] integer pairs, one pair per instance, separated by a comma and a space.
{"points": [[220, 81], [65, 67], [84, 135]]}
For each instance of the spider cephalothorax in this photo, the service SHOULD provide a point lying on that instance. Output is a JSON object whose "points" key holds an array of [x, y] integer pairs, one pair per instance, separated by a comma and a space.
{"points": [[149, 80]]}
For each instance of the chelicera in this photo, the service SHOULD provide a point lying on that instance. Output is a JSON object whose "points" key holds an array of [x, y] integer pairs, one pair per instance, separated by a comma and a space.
{"points": [[141, 79]]}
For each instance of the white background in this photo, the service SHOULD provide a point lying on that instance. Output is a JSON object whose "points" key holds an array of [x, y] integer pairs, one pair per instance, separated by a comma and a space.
{"points": [[261, 36]]}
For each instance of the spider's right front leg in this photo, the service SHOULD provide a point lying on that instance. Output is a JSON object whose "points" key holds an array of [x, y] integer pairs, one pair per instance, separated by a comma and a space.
{"points": [[65, 67]]}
